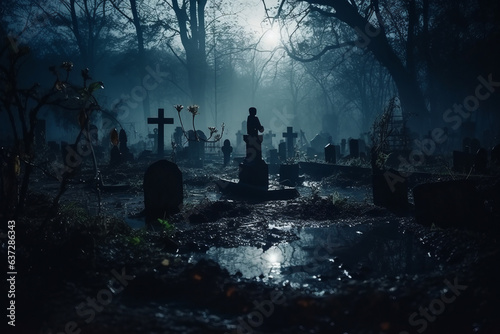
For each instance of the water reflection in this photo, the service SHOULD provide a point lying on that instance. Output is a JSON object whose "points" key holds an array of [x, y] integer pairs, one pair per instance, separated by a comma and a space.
{"points": [[323, 256]]}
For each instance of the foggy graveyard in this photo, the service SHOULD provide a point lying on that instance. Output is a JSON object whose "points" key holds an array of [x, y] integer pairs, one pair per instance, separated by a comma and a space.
{"points": [[250, 167]]}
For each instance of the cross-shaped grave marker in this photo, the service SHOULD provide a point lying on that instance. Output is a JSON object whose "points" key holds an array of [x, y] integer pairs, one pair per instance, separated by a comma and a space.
{"points": [[289, 135], [161, 121], [268, 139]]}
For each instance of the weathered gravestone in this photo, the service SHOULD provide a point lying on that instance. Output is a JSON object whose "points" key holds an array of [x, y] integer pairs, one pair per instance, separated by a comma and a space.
{"points": [[353, 148], [268, 140], [290, 136], [227, 149], [163, 191], [196, 147], [319, 142], [448, 204], [282, 151], [161, 121], [274, 157], [330, 154]]}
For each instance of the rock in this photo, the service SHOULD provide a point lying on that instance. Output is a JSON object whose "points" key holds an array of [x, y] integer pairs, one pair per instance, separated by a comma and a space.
{"points": [[163, 190]]}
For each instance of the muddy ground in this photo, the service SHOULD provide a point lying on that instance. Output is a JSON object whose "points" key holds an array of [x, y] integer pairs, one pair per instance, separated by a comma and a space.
{"points": [[340, 264]]}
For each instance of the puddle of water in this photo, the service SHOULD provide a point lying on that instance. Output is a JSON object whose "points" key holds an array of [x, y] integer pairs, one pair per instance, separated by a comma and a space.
{"points": [[356, 194], [323, 256]]}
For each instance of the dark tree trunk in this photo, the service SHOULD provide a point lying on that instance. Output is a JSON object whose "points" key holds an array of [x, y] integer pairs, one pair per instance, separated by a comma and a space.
{"points": [[194, 43], [410, 94]]}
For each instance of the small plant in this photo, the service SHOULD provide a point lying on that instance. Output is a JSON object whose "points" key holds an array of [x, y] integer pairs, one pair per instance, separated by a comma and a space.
{"points": [[193, 109], [134, 240], [167, 227], [338, 199]]}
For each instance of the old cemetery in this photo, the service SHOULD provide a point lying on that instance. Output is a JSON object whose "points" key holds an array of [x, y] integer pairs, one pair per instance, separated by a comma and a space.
{"points": [[270, 235]]}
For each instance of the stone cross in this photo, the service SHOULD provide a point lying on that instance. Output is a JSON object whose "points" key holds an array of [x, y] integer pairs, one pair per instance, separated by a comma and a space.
{"points": [[161, 121], [289, 135], [268, 139]]}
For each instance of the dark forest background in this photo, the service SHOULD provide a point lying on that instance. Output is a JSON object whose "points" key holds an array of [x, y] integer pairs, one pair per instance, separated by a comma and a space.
{"points": [[316, 65]]}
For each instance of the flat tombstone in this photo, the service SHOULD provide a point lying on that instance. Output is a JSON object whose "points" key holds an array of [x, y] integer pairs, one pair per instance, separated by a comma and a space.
{"points": [[330, 154], [354, 148], [161, 121], [163, 190]]}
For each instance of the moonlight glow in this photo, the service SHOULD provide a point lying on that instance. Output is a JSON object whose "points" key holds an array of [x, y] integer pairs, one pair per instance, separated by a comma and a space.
{"points": [[270, 39]]}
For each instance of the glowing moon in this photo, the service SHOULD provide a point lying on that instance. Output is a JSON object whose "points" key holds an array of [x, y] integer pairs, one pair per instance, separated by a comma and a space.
{"points": [[270, 39]]}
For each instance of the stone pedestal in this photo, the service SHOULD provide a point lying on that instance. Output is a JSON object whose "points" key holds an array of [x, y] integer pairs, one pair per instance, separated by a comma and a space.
{"points": [[254, 174], [253, 148]]}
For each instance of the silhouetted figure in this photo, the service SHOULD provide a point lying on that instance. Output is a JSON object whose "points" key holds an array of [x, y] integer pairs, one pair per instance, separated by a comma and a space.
{"points": [[252, 139], [253, 170], [253, 123], [227, 149]]}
